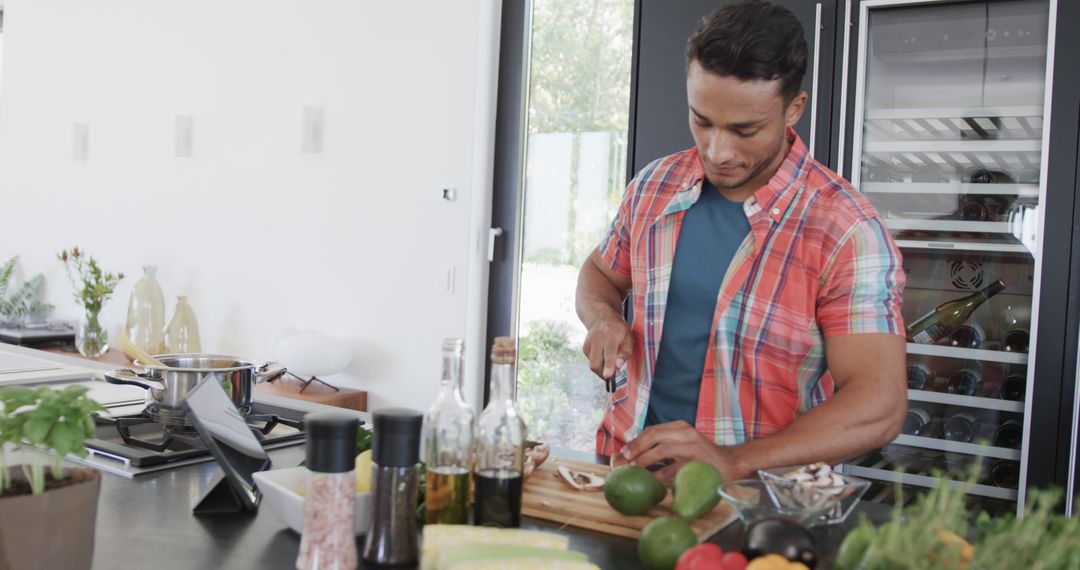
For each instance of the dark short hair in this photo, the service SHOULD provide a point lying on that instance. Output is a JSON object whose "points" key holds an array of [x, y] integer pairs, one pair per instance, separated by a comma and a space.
{"points": [[752, 40]]}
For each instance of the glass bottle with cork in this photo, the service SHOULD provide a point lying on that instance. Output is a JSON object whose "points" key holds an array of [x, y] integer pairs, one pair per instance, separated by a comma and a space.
{"points": [[500, 445], [448, 440]]}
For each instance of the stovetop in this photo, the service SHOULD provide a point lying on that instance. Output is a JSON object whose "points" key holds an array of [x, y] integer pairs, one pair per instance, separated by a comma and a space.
{"points": [[128, 443]]}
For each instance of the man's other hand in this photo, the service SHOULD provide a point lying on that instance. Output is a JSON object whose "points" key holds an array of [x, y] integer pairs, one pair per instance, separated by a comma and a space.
{"points": [[676, 444]]}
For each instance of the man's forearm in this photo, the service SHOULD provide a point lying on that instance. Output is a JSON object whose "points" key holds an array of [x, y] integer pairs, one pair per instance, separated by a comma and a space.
{"points": [[596, 296], [853, 421]]}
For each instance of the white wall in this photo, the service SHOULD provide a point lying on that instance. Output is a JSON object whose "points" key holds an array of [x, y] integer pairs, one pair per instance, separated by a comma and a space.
{"points": [[353, 242]]}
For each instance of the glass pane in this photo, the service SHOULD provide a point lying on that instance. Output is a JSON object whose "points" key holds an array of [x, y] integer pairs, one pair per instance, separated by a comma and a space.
{"points": [[949, 153], [575, 164]]}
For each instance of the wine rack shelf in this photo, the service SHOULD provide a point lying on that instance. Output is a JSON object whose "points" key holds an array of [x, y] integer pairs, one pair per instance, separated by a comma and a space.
{"points": [[967, 353], [887, 475], [966, 401], [957, 447], [1021, 190], [964, 246], [1019, 111], [948, 226], [953, 146]]}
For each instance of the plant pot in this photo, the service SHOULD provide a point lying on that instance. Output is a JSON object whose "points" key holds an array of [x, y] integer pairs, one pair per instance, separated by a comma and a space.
{"points": [[52, 530]]}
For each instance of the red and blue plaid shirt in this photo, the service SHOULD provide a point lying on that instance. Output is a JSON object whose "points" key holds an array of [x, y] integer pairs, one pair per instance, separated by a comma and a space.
{"points": [[818, 262]]}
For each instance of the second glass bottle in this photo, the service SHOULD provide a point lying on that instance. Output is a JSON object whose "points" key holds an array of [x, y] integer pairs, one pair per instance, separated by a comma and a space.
{"points": [[500, 445]]}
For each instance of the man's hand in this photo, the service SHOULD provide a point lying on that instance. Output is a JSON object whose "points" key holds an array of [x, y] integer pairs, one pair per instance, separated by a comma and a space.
{"points": [[600, 294], [608, 345], [675, 444]]}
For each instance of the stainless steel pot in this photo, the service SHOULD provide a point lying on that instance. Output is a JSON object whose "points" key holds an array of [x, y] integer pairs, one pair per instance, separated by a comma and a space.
{"points": [[167, 386]]}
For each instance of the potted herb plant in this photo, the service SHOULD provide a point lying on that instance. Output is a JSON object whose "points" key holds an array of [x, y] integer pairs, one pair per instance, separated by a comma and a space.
{"points": [[93, 287], [47, 511]]}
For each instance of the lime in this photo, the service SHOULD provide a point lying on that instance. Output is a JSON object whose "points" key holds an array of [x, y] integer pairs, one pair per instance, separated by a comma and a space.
{"points": [[696, 489], [632, 490], [663, 540]]}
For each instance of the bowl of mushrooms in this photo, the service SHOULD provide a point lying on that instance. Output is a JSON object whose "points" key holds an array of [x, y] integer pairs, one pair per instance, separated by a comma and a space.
{"points": [[815, 486]]}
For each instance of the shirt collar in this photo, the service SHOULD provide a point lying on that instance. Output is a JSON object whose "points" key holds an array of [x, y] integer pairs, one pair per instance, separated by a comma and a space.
{"points": [[775, 196]]}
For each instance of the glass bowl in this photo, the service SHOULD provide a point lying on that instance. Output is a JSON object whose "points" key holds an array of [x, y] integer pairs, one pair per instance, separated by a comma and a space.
{"points": [[836, 501], [752, 501]]}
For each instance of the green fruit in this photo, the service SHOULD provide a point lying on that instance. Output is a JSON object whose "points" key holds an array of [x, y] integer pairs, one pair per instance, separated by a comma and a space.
{"points": [[632, 490], [696, 489], [663, 540]]}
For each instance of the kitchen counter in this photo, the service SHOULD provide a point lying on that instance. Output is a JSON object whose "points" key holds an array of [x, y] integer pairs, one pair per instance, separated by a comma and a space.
{"points": [[148, 522]]}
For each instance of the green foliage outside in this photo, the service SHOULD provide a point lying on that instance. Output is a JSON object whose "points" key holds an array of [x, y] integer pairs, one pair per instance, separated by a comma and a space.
{"points": [[56, 420], [561, 400], [579, 83]]}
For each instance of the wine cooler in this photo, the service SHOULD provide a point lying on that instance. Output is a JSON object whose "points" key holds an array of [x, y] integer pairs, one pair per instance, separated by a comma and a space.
{"points": [[948, 143]]}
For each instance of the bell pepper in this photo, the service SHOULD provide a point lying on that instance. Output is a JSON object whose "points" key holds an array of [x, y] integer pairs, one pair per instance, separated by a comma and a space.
{"points": [[708, 556], [775, 562]]}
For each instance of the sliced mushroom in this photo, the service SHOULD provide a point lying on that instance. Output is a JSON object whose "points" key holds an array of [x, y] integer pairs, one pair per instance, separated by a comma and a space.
{"points": [[580, 480], [539, 453]]}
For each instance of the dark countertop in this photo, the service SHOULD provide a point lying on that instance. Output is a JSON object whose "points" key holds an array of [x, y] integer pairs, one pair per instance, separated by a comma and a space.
{"points": [[147, 522]]}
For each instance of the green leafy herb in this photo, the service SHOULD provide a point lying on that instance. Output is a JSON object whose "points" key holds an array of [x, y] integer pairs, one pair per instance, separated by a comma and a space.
{"points": [[56, 420], [24, 301], [363, 439]]}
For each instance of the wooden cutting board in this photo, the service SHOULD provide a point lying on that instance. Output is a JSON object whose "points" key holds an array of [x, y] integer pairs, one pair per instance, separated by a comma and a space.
{"points": [[547, 497]]}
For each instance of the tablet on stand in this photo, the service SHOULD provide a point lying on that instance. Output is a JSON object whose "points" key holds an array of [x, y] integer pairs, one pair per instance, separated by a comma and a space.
{"points": [[235, 448]]}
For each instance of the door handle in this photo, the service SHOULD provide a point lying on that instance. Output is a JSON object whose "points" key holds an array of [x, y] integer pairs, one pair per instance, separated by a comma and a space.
{"points": [[844, 89], [492, 234]]}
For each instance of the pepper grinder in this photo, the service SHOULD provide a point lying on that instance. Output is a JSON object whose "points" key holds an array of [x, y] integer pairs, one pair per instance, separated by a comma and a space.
{"points": [[328, 541], [395, 479]]}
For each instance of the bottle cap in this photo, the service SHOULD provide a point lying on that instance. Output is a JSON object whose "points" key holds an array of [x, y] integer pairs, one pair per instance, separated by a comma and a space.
{"points": [[331, 441], [396, 442]]}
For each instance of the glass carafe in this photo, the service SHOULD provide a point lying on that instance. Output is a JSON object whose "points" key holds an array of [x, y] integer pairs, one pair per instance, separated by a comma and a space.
{"points": [[182, 333], [146, 313]]}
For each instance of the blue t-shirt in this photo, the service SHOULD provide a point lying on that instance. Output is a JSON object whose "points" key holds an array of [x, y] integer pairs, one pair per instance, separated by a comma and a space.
{"points": [[712, 231]]}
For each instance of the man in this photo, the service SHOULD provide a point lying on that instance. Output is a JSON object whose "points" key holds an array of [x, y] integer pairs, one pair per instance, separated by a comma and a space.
{"points": [[761, 282]]}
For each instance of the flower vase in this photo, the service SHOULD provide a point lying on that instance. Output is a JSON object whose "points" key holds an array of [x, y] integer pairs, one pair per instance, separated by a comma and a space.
{"points": [[91, 339]]}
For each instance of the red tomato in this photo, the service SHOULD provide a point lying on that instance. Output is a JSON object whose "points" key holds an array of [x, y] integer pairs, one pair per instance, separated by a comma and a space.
{"points": [[705, 556], [733, 561]]}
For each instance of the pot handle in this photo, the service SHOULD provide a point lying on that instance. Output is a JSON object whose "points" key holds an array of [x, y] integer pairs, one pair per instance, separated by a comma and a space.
{"points": [[125, 376], [269, 371]]}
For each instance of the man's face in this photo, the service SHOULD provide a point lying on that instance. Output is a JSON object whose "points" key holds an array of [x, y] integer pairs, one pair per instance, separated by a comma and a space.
{"points": [[739, 127]]}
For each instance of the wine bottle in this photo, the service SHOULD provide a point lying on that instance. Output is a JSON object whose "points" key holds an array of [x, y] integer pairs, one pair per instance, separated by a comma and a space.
{"points": [[500, 445], [1028, 176], [1014, 387], [448, 440], [967, 336], [972, 209], [916, 421], [966, 382], [920, 377], [949, 316], [929, 174], [1016, 340], [1005, 474], [961, 427], [1009, 434]]}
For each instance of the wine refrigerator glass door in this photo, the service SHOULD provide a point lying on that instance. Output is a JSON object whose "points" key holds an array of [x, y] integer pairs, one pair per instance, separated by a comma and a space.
{"points": [[948, 144]]}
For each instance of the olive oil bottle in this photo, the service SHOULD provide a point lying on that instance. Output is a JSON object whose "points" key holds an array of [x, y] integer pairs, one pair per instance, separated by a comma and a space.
{"points": [[448, 441]]}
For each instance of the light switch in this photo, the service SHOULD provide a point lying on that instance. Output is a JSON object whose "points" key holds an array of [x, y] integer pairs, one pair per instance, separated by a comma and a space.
{"points": [[183, 136], [80, 141], [311, 129]]}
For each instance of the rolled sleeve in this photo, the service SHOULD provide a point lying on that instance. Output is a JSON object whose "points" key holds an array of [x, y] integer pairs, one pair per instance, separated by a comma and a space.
{"points": [[615, 246], [864, 287]]}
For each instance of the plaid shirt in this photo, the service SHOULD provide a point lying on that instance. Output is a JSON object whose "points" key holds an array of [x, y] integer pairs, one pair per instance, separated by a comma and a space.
{"points": [[818, 262]]}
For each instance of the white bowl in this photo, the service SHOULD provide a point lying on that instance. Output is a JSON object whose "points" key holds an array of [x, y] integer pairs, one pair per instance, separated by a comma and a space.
{"points": [[280, 490]]}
